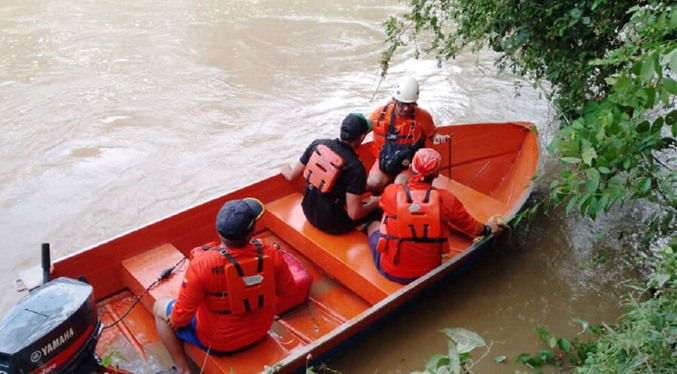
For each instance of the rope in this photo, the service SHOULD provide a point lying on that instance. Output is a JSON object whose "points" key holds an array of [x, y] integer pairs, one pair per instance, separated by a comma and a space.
{"points": [[163, 275]]}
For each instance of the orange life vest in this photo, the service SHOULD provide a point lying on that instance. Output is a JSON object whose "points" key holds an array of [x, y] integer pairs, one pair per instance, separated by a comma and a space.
{"points": [[323, 167], [418, 219], [250, 283], [384, 131]]}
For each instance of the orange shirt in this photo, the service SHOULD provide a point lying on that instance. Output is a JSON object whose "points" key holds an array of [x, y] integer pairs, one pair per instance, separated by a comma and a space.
{"points": [[416, 259], [423, 127], [226, 332]]}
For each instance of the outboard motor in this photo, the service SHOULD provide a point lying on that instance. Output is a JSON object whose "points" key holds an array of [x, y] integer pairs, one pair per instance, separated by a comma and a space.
{"points": [[53, 330]]}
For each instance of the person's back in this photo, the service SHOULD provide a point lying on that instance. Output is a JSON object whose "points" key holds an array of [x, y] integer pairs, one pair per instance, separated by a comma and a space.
{"points": [[224, 323], [407, 256], [336, 180], [416, 223], [229, 291], [327, 210]]}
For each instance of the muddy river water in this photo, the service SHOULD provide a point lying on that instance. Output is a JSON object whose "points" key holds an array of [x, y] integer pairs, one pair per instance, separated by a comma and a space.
{"points": [[115, 114]]}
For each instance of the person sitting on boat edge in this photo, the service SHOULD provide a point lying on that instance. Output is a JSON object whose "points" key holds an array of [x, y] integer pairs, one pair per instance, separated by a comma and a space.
{"points": [[416, 222], [400, 128], [336, 179], [228, 295]]}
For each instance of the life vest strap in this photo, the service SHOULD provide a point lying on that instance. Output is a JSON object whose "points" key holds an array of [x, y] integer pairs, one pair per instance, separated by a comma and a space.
{"points": [[426, 199], [390, 134]]}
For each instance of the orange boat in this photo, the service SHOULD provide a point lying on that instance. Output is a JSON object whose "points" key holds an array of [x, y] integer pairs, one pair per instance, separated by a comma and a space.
{"points": [[491, 168]]}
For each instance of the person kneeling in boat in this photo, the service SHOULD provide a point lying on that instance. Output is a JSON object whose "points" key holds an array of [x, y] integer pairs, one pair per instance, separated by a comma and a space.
{"points": [[336, 180], [401, 127], [228, 295], [416, 222]]}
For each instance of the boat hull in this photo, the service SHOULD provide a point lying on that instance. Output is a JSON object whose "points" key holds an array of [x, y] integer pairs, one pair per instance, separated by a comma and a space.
{"points": [[490, 167]]}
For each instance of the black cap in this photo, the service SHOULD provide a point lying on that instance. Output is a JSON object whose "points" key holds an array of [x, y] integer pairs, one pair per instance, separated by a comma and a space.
{"points": [[237, 217], [354, 126]]}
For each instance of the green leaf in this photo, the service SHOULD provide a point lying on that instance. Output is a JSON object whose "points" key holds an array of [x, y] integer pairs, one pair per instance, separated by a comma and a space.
{"points": [[603, 203], [661, 279], [467, 340], [500, 359], [670, 85], [593, 180], [571, 160], [542, 332], [524, 357], [604, 170], [564, 345], [671, 118], [581, 322], [657, 125], [647, 71], [639, 361], [435, 361], [552, 342], [644, 184], [571, 204], [593, 209], [670, 60], [588, 154], [643, 126], [454, 358]]}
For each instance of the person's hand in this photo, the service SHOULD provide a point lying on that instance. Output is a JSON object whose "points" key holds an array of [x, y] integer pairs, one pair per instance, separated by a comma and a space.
{"points": [[439, 139], [496, 224], [372, 201], [495, 227], [285, 169]]}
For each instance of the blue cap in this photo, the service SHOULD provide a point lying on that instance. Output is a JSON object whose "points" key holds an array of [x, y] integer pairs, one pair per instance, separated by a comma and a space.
{"points": [[236, 218]]}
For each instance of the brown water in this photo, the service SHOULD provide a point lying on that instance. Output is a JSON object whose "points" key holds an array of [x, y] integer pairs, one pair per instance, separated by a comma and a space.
{"points": [[116, 114]]}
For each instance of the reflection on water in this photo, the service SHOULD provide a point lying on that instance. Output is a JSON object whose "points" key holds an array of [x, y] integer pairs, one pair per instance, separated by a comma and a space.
{"points": [[116, 114]]}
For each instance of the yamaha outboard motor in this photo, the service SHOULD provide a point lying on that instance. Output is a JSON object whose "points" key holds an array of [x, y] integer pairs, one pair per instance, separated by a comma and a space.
{"points": [[53, 330]]}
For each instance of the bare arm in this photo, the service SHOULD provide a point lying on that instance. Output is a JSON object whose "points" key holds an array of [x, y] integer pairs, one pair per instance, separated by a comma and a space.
{"points": [[292, 172], [439, 138], [356, 209]]}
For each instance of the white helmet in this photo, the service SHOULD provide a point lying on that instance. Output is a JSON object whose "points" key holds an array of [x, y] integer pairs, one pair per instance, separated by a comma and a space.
{"points": [[406, 90]]}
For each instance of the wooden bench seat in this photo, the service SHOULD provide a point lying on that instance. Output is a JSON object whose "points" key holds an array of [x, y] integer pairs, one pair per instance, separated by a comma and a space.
{"points": [[347, 257]]}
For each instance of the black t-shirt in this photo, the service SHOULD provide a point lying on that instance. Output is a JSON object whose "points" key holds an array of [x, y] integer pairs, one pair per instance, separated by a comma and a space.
{"points": [[327, 211]]}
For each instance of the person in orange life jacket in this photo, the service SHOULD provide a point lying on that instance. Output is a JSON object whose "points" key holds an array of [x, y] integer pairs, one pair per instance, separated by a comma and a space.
{"points": [[408, 245], [336, 180], [399, 126], [228, 295]]}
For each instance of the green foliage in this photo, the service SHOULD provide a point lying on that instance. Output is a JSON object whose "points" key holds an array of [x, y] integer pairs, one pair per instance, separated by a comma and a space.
{"points": [[611, 65], [644, 341], [562, 350], [551, 40], [457, 360], [112, 360]]}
